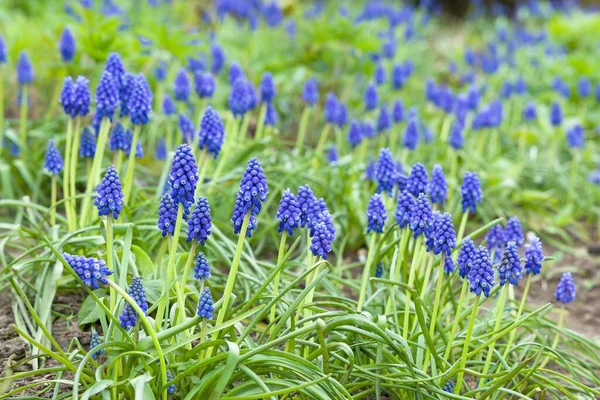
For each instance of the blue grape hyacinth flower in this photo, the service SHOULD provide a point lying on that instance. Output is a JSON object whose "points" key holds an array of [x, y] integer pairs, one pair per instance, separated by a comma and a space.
{"points": [[421, 216], [140, 101], [371, 98], [235, 72], [510, 269], [481, 275], [95, 341], [267, 88], [200, 222], [217, 58], [333, 156], [411, 135], [466, 255], [310, 94], [92, 271], [514, 232], [187, 128], [584, 87], [125, 90], [471, 192], [183, 177], [109, 199], [3, 51], [201, 269], [114, 65], [240, 98], [254, 187], [398, 111], [53, 161], [66, 96], [456, 138], [204, 84], [167, 215], [442, 236], [87, 147], [438, 186], [417, 182], [172, 387], [385, 172], [82, 98], [354, 134], [331, 108], [67, 45], [161, 149], [495, 239], [565, 290], [212, 132], [205, 304], [107, 96], [376, 214], [181, 86], [575, 137], [129, 317], [449, 266], [556, 115], [529, 112], [384, 121], [534, 256], [288, 213], [271, 116], [119, 139], [321, 241], [168, 106], [404, 208], [25, 73], [305, 198], [380, 74]]}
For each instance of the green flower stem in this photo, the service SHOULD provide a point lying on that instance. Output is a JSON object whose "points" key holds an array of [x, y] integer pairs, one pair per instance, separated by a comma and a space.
{"points": [[149, 331], [573, 175], [23, 119], [243, 129], [463, 225], [235, 263], [65, 180], [452, 177], [367, 272], [522, 136], [169, 135], [463, 358], [511, 338], [411, 281], [499, 314], [280, 255], [445, 132], [436, 307], [427, 276], [164, 303], [109, 258], [322, 140], [94, 176], [118, 161], [554, 139], [59, 78], [302, 129], [53, 200], [1, 111], [260, 124], [455, 324], [312, 260], [396, 268], [72, 166], [483, 138], [128, 182], [557, 337], [181, 288]]}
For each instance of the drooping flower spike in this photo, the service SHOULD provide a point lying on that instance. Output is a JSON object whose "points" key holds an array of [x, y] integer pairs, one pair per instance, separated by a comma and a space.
{"points": [[481, 275], [288, 213], [53, 162], [376, 214], [201, 269], [510, 269], [129, 316], [200, 222], [92, 271], [109, 199], [565, 290]]}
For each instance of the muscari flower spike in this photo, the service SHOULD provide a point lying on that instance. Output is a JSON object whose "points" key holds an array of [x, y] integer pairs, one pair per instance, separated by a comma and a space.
{"points": [[305, 198], [420, 216], [385, 171], [90, 270], [161, 149], [510, 269], [82, 98], [333, 156], [183, 177], [109, 199], [384, 121], [534, 256], [24, 69], [406, 203], [310, 93], [67, 45], [575, 138], [3, 51], [438, 187], [449, 266], [556, 115], [204, 84], [442, 236], [95, 342], [172, 387], [417, 180], [160, 71], [321, 241], [87, 147], [371, 98], [271, 116], [471, 192], [565, 290], [167, 215], [168, 106], [376, 214], [354, 134], [341, 118], [240, 98], [187, 128], [481, 275], [114, 65], [235, 72], [495, 238], [212, 132], [529, 112], [253, 192], [267, 88], [217, 58], [456, 138], [398, 111], [66, 96], [288, 213], [411, 135], [140, 101], [128, 317], [317, 213], [181, 86], [107, 96], [331, 108], [584, 87], [53, 162], [466, 255], [118, 139], [514, 232], [205, 304], [199, 223], [368, 130], [201, 269]]}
